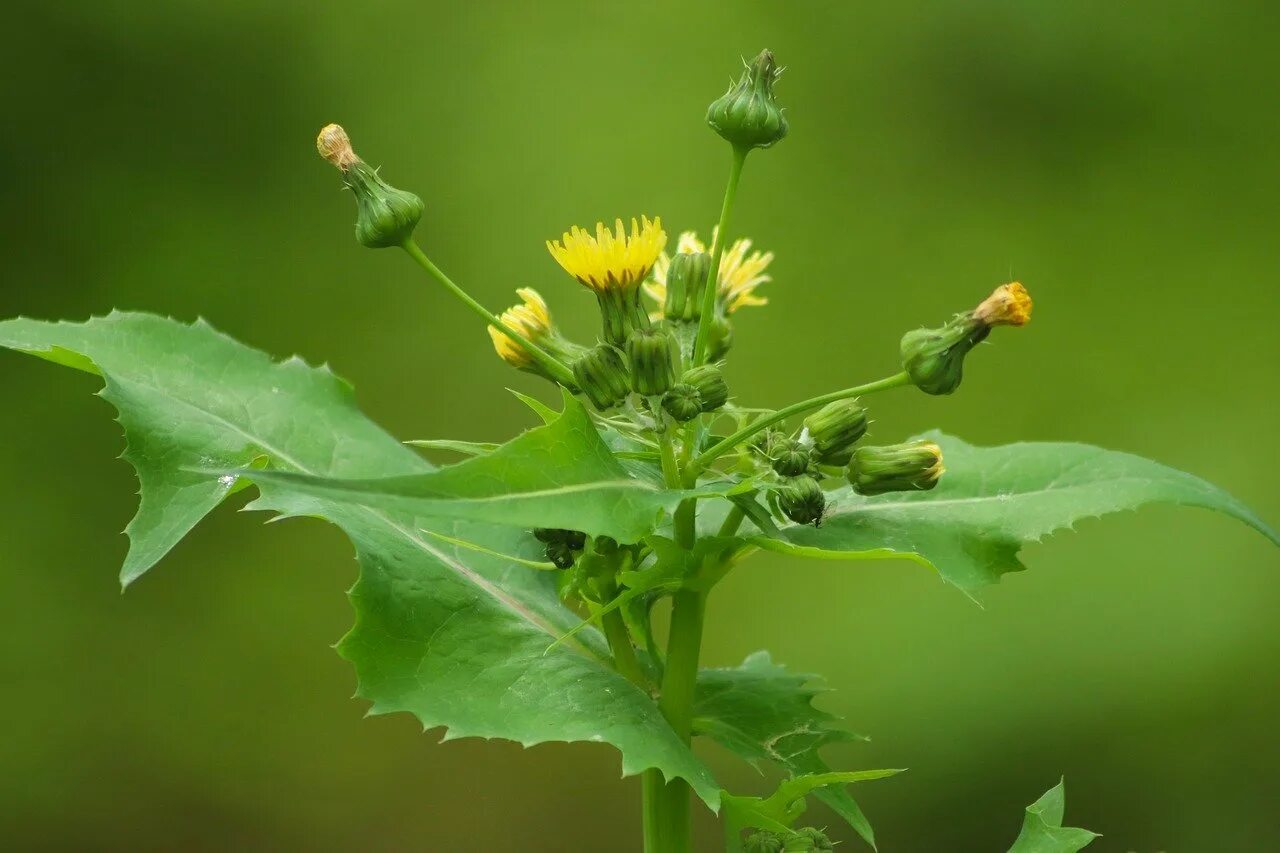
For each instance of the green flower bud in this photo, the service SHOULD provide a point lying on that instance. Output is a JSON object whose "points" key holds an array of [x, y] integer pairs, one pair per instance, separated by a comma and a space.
{"points": [[790, 458], [802, 500], [747, 115], [815, 839], [834, 428], [720, 340], [686, 278], [682, 402], [762, 842], [602, 376], [916, 465], [768, 440], [711, 386], [385, 216], [653, 358], [934, 358]]}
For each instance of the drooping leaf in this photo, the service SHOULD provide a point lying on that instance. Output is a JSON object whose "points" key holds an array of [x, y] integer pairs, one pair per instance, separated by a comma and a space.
{"points": [[561, 475], [1042, 829], [993, 500], [456, 637], [762, 712]]}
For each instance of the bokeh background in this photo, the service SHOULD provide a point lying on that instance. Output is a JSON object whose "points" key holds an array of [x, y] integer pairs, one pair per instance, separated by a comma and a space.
{"points": [[1117, 157]]}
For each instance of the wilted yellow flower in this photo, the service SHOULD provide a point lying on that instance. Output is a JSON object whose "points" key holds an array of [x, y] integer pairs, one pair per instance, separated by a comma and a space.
{"points": [[1008, 305], [531, 319], [741, 272], [610, 261]]}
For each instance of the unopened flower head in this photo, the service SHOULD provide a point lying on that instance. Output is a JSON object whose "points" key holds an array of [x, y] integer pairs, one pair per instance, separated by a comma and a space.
{"points": [[531, 319], [913, 466], [614, 260], [385, 216], [1008, 305], [747, 116], [741, 272]]}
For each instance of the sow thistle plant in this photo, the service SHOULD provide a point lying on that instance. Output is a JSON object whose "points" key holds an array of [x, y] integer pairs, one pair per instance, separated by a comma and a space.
{"points": [[512, 595]]}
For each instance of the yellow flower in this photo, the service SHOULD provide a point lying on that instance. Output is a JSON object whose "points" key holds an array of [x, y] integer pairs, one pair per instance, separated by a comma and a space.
{"points": [[741, 272], [531, 319], [1008, 305], [610, 261]]}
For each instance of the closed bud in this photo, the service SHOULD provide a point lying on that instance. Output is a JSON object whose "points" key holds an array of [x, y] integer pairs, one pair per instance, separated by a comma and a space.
{"points": [[653, 358], [385, 216], [934, 358], [747, 116], [682, 402], [720, 340], [802, 500], [810, 838], [762, 842], [914, 466], [790, 458], [602, 376], [834, 428], [709, 381], [560, 554], [686, 278]]}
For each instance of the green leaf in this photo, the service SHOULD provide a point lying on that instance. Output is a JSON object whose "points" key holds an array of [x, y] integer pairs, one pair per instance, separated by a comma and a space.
{"points": [[762, 712], [1042, 829], [779, 811], [454, 636], [560, 475], [993, 500], [466, 448]]}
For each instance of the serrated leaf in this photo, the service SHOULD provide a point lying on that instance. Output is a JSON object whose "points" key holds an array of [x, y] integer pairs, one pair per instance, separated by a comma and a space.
{"points": [[993, 500], [561, 475], [1042, 829], [456, 637], [762, 712]]}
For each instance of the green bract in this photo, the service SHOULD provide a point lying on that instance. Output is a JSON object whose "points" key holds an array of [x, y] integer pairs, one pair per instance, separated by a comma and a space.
{"points": [[510, 595]]}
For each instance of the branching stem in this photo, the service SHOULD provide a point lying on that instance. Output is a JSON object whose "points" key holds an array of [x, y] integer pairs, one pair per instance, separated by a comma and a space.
{"points": [[711, 286]]}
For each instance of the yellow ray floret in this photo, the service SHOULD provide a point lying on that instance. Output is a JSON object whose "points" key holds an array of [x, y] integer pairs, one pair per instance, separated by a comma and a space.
{"points": [[531, 319], [610, 261], [741, 272]]}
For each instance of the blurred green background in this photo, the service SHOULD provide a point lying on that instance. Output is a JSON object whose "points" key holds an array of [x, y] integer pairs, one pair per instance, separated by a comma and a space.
{"points": [[1119, 158]]}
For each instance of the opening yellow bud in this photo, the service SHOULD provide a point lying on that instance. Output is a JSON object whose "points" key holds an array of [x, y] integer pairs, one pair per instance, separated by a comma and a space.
{"points": [[335, 146], [1008, 305], [531, 319]]}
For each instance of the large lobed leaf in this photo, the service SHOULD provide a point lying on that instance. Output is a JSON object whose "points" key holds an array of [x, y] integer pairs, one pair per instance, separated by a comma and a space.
{"points": [[993, 500], [762, 712], [457, 638], [562, 475]]}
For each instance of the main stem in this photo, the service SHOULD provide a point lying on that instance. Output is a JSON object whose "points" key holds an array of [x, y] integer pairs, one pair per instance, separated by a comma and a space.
{"points": [[550, 363], [717, 250]]}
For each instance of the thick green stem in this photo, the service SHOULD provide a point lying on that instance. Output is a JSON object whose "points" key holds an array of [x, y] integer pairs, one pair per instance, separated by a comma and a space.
{"points": [[667, 453], [709, 291], [671, 812], [549, 363], [732, 521], [708, 457]]}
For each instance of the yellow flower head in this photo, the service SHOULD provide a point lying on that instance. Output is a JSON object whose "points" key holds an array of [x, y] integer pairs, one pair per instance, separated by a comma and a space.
{"points": [[1008, 305], [741, 272], [531, 319], [610, 261]]}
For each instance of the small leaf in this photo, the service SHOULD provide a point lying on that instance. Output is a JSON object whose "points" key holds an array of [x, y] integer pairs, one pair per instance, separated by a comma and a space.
{"points": [[1042, 829], [779, 811], [539, 408], [762, 712], [993, 500]]}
